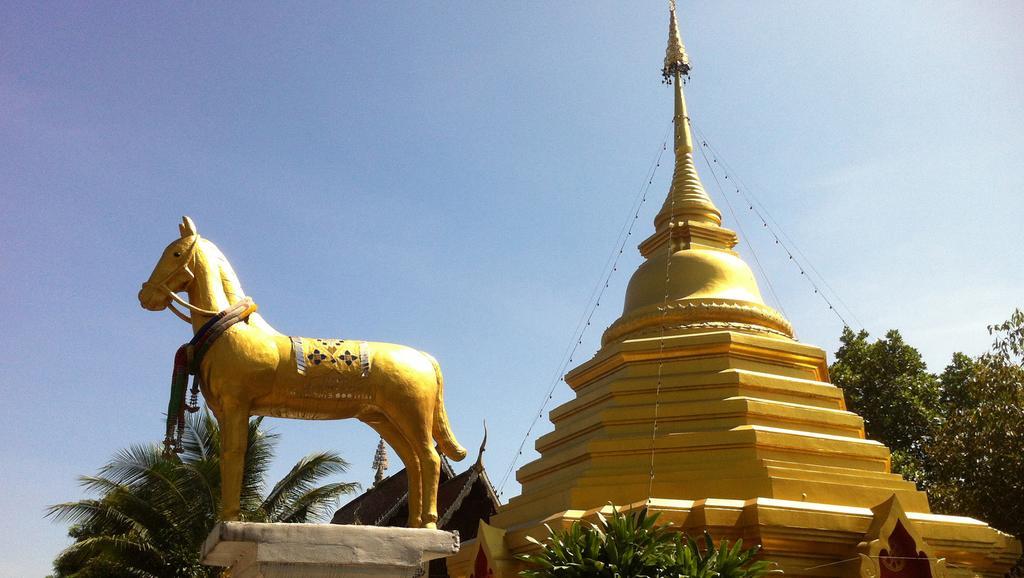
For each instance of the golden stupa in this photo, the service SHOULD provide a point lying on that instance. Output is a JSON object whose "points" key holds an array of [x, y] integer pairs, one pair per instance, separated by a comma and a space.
{"points": [[700, 405]]}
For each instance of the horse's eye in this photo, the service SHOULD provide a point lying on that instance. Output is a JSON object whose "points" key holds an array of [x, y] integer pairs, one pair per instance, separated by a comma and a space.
{"points": [[177, 253]]}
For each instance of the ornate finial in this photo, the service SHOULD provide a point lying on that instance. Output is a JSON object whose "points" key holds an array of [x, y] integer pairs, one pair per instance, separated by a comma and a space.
{"points": [[676, 60], [380, 462], [687, 200], [480, 454]]}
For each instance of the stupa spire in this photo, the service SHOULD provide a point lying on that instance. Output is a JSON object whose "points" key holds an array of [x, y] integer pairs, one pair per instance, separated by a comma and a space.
{"points": [[380, 462], [691, 279], [687, 200], [676, 59]]}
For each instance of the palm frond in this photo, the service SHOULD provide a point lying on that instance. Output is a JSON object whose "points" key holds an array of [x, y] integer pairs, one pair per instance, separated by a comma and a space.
{"points": [[153, 512], [148, 472], [201, 439], [129, 553], [135, 463], [201, 481], [303, 478], [259, 454], [316, 505], [117, 512]]}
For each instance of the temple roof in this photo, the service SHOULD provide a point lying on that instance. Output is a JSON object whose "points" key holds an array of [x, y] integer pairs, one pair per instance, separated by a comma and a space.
{"points": [[462, 501], [375, 506]]}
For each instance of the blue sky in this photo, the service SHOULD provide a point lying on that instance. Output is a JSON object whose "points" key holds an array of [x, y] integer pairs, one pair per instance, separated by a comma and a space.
{"points": [[452, 176]]}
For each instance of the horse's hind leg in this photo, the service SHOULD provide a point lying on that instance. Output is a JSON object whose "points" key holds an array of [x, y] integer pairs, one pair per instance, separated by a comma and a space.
{"points": [[430, 478], [397, 441], [419, 435]]}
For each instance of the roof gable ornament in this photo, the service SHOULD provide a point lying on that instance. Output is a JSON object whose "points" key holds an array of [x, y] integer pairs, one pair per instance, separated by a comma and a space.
{"points": [[893, 548]]}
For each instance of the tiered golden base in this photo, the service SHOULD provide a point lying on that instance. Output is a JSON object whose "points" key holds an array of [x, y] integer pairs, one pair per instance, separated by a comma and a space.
{"points": [[749, 420], [806, 539]]}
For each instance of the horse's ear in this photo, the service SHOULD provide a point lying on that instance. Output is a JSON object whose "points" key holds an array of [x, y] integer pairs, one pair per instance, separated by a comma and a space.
{"points": [[187, 227]]}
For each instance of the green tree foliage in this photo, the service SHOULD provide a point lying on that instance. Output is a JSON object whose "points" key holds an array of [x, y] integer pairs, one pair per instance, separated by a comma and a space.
{"points": [[152, 513], [888, 384], [632, 545], [959, 434], [976, 459]]}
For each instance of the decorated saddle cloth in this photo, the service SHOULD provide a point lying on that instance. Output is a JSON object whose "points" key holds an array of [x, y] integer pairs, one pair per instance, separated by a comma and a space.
{"points": [[333, 368]]}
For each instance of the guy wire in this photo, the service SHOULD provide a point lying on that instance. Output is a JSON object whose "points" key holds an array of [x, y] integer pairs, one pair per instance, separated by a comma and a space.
{"points": [[661, 344], [743, 234], [754, 200], [592, 304], [782, 239]]}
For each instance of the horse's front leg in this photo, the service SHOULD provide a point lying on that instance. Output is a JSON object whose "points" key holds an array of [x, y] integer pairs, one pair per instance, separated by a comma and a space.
{"points": [[234, 439]]}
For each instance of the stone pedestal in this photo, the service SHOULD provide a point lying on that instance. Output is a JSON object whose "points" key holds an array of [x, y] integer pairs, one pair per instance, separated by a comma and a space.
{"points": [[253, 550]]}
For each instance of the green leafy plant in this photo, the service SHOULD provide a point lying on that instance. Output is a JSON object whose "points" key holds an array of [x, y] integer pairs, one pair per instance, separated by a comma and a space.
{"points": [[633, 545], [152, 513]]}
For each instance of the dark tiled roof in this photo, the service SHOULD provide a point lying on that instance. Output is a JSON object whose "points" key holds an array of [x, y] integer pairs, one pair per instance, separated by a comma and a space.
{"points": [[462, 501], [465, 500], [372, 507]]}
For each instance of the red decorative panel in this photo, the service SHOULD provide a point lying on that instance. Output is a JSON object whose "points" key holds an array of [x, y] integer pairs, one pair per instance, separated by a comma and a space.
{"points": [[481, 567], [902, 559]]}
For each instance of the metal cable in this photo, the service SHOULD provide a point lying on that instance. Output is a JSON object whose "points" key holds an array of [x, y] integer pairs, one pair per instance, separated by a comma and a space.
{"points": [[661, 343], [788, 245], [592, 304], [743, 234]]}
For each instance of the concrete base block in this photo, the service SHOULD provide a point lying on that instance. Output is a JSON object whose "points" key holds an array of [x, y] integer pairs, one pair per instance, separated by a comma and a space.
{"points": [[253, 550]]}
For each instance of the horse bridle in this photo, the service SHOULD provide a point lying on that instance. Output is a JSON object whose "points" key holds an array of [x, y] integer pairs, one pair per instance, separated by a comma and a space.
{"points": [[190, 254]]}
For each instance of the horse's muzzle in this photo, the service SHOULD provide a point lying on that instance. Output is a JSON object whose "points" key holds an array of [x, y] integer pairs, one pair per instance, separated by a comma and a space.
{"points": [[152, 299]]}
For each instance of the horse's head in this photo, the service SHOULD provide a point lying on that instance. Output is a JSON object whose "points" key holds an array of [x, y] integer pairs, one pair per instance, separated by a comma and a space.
{"points": [[173, 272]]}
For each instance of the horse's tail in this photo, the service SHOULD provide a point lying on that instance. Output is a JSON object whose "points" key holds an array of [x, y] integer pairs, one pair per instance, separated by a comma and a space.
{"points": [[442, 433]]}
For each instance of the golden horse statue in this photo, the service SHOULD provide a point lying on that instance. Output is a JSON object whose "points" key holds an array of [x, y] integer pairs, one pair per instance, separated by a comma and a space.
{"points": [[251, 369]]}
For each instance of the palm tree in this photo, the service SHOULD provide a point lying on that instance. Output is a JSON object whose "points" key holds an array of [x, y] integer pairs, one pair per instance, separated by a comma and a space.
{"points": [[152, 512]]}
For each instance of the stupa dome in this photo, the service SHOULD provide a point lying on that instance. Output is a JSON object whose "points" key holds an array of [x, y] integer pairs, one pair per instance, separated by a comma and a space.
{"points": [[699, 290], [692, 274]]}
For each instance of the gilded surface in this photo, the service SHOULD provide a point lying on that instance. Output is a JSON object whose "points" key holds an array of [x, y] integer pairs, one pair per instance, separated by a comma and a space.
{"points": [[332, 368], [701, 407], [689, 259], [254, 370]]}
